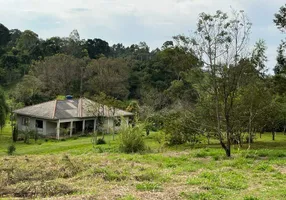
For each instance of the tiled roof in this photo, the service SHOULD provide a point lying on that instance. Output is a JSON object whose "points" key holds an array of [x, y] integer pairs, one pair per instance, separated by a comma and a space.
{"points": [[66, 109]]}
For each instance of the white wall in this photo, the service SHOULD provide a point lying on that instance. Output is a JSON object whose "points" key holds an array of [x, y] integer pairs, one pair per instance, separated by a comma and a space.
{"points": [[51, 128], [32, 125]]}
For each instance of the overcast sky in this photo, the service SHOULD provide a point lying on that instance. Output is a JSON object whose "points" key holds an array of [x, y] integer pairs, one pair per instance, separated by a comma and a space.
{"points": [[132, 21]]}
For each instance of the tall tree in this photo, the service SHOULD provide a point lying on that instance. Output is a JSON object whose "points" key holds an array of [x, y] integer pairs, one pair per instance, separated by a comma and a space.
{"points": [[220, 42], [109, 76], [59, 74], [258, 57]]}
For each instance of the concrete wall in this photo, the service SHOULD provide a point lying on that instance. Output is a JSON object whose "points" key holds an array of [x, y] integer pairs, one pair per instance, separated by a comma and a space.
{"points": [[48, 127], [51, 128], [30, 126]]}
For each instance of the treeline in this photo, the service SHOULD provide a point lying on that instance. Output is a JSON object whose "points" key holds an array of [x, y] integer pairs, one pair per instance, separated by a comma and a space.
{"points": [[207, 84], [47, 68]]}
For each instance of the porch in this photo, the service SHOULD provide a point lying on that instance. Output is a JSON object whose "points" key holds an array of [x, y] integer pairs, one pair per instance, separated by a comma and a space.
{"points": [[68, 128]]}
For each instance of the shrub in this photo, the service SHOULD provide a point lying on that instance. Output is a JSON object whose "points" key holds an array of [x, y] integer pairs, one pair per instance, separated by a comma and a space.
{"points": [[131, 139], [180, 129], [100, 141], [26, 135], [11, 149], [201, 154]]}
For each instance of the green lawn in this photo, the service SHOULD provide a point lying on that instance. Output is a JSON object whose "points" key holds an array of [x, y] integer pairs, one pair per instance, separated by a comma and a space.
{"points": [[74, 169]]}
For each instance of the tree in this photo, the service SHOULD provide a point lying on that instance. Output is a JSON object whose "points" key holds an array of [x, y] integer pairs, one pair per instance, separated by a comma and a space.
{"points": [[279, 79], [73, 45], [280, 19], [27, 41], [3, 109], [252, 106], [4, 35], [59, 74], [109, 76], [29, 91], [258, 57], [97, 47], [52, 46], [220, 42], [280, 67]]}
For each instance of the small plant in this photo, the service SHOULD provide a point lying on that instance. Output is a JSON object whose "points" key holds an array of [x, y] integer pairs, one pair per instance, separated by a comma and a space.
{"points": [[201, 154], [65, 132], [131, 140], [148, 186], [99, 149], [11, 149]]}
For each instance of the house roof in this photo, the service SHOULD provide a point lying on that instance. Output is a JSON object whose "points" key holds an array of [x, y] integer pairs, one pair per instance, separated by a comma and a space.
{"points": [[67, 109]]}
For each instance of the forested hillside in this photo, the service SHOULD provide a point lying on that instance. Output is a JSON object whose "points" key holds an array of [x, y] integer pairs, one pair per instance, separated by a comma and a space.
{"points": [[207, 84]]}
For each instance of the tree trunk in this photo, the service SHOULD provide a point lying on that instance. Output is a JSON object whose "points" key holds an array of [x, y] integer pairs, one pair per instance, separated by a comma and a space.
{"points": [[226, 149], [228, 145], [208, 137], [147, 131], [273, 135]]}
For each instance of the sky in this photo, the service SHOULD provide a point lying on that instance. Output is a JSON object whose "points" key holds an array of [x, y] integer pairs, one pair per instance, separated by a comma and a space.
{"points": [[133, 21]]}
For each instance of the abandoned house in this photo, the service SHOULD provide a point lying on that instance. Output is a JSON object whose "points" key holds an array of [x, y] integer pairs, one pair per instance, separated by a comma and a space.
{"points": [[62, 118]]}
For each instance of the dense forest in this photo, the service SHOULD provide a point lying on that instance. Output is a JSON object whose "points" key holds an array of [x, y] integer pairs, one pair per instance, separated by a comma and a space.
{"points": [[204, 85]]}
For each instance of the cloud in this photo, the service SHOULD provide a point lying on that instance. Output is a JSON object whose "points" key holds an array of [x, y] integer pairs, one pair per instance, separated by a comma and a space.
{"points": [[79, 9], [132, 21]]}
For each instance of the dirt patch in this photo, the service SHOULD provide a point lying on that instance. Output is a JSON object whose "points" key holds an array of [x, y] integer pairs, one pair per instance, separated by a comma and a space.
{"points": [[281, 169]]}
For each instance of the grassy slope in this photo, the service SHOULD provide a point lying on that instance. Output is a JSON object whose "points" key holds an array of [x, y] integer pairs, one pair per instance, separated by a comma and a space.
{"points": [[74, 169]]}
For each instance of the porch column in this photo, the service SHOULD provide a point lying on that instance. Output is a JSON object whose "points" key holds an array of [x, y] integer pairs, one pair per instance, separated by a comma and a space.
{"points": [[94, 125], [71, 127], [83, 126], [58, 129]]}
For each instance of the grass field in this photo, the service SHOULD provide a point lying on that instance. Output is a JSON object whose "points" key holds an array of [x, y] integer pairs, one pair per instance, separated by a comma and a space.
{"points": [[74, 169]]}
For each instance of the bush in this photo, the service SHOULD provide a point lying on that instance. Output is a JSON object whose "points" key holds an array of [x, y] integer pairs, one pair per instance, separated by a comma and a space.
{"points": [[100, 141], [131, 139], [11, 149], [181, 129], [27, 135]]}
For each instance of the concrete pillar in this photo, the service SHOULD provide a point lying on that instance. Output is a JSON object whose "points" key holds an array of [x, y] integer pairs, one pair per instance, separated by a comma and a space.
{"points": [[58, 129], [71, 127], [83, 126], [94, 125]]}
